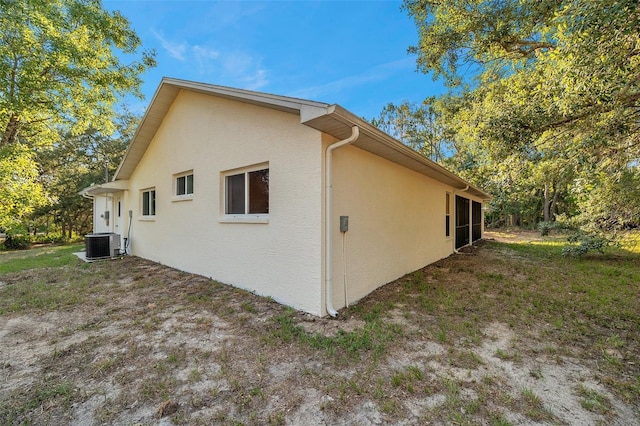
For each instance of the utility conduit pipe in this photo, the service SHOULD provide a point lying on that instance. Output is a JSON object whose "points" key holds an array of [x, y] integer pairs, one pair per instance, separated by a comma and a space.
{"points": [[344, 266], [328, 234]]}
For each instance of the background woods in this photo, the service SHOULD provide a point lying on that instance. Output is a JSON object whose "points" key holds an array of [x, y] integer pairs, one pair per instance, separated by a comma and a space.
{"points": [[65, 67], [543, 108]]}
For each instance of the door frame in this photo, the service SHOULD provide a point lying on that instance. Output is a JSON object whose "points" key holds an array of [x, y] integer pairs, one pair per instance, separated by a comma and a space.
{"points": [[462, 221]]}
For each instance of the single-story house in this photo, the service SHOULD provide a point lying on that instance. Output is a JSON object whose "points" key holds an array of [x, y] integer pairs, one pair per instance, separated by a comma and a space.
{"points": [[298, 200]]}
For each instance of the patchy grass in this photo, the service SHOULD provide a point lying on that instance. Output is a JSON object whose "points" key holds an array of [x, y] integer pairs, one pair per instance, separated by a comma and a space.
{"points": [[41, 257], [45, 394], [630, 242], [477, 338], [372, 338], [593, 400], [52, 279]]}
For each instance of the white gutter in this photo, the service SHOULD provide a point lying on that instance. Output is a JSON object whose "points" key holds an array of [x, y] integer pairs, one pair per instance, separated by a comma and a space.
{"points": [[328, 249]]}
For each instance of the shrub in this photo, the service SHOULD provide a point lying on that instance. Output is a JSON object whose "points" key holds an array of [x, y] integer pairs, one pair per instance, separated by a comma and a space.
{"points": [[587, 242], [545, 227], [560, 225], [50, 238], [16, 242]]}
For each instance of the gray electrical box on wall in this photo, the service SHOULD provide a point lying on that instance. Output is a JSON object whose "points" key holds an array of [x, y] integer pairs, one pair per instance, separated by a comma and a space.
{"points": [[344, 223]]}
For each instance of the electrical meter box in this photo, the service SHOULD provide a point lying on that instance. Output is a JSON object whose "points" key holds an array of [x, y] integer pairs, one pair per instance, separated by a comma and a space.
{"points": [[344, 223]]}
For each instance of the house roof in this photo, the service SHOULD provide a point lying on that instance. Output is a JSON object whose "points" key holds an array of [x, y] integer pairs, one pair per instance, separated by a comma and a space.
{"points": [[331, 119], [106, 188]]}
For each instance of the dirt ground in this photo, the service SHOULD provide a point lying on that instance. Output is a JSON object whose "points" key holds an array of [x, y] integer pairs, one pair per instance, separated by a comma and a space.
{"points": [[149, 345]]}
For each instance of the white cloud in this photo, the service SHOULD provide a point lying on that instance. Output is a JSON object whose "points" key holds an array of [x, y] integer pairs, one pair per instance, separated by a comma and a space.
{"points": [[205, 63], [174, 49], [257, 80], [373, 74], [204, 58], [244, 70], [204, 52]]}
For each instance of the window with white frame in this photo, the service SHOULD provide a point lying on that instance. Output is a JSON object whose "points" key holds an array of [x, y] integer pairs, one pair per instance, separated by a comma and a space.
{"points": [[149, 202], [246, 192], [184, 184]]}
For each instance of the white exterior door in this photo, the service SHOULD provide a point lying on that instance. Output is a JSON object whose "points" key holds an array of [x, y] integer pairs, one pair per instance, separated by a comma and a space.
{"points": [[103, 214], [119, 221]]}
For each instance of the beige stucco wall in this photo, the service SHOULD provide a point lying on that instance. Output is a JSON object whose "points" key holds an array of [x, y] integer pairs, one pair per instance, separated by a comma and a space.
{"points": [[210, 135], [396, 222]]}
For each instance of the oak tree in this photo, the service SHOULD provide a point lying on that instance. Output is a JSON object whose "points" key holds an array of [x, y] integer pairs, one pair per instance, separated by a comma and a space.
{"points": [[551, 87], [63, 63], [64, 67]]}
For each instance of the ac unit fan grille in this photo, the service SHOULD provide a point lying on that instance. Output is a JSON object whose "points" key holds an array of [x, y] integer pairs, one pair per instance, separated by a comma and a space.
{"points": [[102, 245]]}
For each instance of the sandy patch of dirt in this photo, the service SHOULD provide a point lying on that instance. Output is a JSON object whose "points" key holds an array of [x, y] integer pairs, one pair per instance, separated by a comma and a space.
{"points": [[152, 345], [522, 236]]}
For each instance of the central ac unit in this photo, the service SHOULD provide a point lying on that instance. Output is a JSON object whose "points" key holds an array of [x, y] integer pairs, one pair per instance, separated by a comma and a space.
{"points": [[102, 245]]}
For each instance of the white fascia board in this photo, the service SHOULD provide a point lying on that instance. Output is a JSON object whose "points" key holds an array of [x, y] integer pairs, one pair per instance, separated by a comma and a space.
{"points": [[143, 125], [408, 155], [309, 112], [293, 105], [165, 95], [106, 188]]}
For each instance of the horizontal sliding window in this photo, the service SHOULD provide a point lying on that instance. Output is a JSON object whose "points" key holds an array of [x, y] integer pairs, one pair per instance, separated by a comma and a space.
{"points": [[247, 192], [184, 184]]}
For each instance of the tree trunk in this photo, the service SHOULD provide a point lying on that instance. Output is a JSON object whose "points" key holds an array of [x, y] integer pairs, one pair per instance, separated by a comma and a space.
{"points": [[546, 209], [515, 220], [10, 134], [554, 203]]}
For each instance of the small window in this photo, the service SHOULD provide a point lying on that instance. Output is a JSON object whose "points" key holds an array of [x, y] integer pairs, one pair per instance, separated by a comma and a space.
{"points": [[247, 193], [184, 184], [447, 217], [149, 202]]}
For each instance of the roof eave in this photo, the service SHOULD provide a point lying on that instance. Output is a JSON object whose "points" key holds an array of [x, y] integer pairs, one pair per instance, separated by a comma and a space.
{"points": [[338, 122], [106, 188], [331, 119], [167, 92]]}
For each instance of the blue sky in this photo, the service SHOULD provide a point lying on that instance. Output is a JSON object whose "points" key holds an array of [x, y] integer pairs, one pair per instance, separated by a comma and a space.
{"points": [[353, 53]]}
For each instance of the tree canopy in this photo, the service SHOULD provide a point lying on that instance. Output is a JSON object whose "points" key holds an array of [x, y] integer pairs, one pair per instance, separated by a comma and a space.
{"points": [[414, 125], [20, 191], [544, 106], [76, 162], [65, 66], [60, 65]]}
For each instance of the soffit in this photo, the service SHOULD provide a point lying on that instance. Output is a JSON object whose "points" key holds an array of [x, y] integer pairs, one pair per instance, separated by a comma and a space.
{"points": [[331, 119], [107, 188], [338, 123], [165, 96]]}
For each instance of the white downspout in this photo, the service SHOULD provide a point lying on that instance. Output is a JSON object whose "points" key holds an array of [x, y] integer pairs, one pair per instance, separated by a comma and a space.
{"points": [[328, 249]]}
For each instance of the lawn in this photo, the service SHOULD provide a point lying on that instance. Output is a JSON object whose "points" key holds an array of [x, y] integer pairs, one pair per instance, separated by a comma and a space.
{"points": [[506, 333]]}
